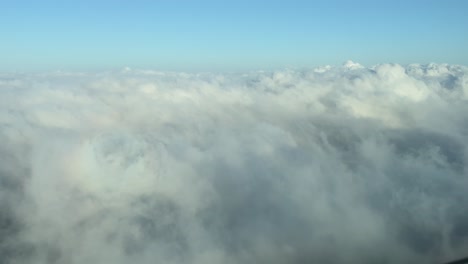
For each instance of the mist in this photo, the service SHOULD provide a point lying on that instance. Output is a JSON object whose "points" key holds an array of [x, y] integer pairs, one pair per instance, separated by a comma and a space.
{"points": [[337, 164]]}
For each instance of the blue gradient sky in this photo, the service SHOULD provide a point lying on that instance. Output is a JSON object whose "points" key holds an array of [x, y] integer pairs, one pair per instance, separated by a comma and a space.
{"points": [[216, 35]]}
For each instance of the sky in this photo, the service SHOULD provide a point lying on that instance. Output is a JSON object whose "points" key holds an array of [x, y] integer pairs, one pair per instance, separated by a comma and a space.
{"points": [[220, 35]]}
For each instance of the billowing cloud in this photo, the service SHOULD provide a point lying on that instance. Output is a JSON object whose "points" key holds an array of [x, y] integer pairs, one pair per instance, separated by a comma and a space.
{"points": [[331, 165]]}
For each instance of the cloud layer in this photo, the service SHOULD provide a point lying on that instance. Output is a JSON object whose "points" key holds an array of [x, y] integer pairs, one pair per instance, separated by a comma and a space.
{"points": [[332, 165]]}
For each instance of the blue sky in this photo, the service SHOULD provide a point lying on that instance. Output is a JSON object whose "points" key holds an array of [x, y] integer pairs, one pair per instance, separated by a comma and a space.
{"points": [[234, 35]]}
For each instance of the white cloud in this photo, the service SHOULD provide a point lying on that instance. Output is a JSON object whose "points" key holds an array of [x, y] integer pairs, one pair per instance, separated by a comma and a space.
{"points": [[341, 164]]}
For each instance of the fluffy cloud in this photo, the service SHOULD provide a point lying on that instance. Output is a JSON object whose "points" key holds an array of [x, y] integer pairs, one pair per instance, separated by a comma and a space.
{"points": [[331, 165]]}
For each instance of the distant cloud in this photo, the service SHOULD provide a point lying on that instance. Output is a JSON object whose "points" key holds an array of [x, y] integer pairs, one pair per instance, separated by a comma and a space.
{"points": [[331, 165]]}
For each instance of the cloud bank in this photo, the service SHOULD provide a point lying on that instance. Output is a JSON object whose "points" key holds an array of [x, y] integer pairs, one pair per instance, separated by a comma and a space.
{"points": [[332, 165]]}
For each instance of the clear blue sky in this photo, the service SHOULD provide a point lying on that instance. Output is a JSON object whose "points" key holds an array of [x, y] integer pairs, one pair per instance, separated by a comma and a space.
{"points": [[211, 35]]}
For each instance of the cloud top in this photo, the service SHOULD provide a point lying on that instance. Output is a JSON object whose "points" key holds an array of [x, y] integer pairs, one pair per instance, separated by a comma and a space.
{"points": [[331, 165]]}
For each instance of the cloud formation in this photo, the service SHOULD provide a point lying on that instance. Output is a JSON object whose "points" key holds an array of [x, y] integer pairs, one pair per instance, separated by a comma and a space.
{"points": [[332, 165]]}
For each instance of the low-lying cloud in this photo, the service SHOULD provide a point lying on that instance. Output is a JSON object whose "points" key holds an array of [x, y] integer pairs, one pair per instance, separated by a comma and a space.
{"points": [[331, 165]]}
